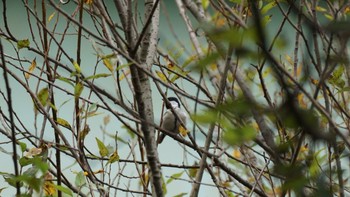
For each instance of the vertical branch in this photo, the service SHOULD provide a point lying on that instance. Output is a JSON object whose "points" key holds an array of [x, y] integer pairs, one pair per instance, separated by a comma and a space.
{"points": [[296, 48], [142, 87], [52, 98], [13, 134], [77, 110]]}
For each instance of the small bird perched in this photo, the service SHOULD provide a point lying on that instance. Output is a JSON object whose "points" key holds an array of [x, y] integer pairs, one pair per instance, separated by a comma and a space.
{"points": [[170, 121]]}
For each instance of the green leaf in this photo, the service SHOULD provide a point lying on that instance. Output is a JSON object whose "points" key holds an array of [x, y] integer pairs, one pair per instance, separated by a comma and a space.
{"points": [[181, 194], [131, 133], [188, 61], [37, 162], [11, 179], [23, 146], [265, 20], [66, 80], [114, 157], [64, 123], [206, 117], [24, 161], [211, 58], [268, 7], [124, 66], [93, 107], [41, 164], [174, 176], [64, 190], [336, 77], [43, 96], [102, 148], [97, 76], [80, 180], [119, 139], [205, 4], [77, 67], [345, 89], [165, 190], [236, 136], [30, 179], [78, 89], [31, 171], [176, 76], [108, 56], [53, 106], [193, 171], [83, 133], [23, 43]]}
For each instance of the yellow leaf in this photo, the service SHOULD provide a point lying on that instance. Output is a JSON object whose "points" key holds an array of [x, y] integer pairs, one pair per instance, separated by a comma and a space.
{"points": [[329, 17], [225, 184], [161, 76], [236, 154], [299, 69], [255, 126], [88, 2], [106, 119], [31, 68], [63, 123], [95, 172], [51, 16], [98, 171], [314, 81], [107, 62], [49, 188], [220, 22], [171, 66], [78, 89], [289, 59], [347, 10], [230, 77], [304, 148], [123, 75], [321, 9], [84, 132], [266, 72], [213, 67], [183, 131], [193, 171], [301, 101], [114, 157], [144, 178]]}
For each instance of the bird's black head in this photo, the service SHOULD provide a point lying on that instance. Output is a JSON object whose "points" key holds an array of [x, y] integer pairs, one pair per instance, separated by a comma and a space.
{"points": [[172, 99]]}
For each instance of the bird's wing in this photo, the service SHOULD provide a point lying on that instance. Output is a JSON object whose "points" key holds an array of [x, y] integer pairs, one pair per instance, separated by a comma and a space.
{"points": [[168, 119], [182, 115]]}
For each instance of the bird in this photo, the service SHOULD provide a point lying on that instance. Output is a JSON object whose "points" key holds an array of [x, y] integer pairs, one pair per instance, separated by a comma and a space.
{"points": [[170, 121]]}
